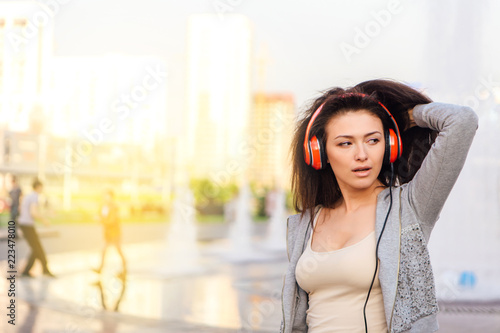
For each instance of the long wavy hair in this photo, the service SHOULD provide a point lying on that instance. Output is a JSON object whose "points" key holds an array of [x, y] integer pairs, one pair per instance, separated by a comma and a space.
{"points": [[312, 187]]}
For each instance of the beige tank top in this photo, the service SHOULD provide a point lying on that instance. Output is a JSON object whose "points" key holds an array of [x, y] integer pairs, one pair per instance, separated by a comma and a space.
{"points": [[337, 283]]}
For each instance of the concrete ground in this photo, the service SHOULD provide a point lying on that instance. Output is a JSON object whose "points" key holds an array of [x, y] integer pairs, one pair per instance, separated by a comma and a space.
{"points": [[216, 286]]}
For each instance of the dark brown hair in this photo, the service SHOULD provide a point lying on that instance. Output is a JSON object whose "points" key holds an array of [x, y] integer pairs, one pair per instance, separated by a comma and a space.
{"points": [[36, 183], [312, 187]]}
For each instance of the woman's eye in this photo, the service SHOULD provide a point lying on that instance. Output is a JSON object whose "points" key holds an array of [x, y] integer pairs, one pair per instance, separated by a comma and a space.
{"points": [[344, 143], [374, 140]]}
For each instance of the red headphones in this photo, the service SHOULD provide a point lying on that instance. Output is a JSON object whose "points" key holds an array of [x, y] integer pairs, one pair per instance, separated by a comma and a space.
{"points": [[315, 154]]}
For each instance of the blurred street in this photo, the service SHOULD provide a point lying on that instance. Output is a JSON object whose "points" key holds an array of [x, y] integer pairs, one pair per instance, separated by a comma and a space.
{"points": [[218, 295]]}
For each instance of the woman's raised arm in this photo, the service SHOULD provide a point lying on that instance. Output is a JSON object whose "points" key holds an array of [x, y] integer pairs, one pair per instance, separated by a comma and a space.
{"points": [[433, 182]]}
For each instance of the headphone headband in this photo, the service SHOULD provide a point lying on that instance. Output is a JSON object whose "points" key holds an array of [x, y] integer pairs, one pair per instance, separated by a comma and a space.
{"points": [[307, 152]]}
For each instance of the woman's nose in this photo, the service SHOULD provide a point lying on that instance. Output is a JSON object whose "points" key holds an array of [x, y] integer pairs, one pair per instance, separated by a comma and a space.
{"points": [[361, 153]]}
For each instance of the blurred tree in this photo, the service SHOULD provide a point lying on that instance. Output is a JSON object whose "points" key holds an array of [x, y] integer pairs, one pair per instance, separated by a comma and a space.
{"points": [[210, 196], [260, 193]]}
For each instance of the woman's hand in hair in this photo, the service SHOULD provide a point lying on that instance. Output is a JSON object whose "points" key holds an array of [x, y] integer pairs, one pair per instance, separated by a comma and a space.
{"points": [[412, 121]]}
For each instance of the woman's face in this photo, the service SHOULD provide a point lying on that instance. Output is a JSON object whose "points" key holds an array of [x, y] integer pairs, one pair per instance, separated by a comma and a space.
{"points": [[354, 141]]}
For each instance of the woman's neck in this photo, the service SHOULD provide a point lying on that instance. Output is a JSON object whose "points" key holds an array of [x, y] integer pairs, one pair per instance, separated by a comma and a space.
{"points": [[353, 200]]}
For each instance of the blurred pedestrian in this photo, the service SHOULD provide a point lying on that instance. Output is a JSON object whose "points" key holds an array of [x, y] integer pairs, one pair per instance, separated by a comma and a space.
{"points": [[15, 194], [29, 213], [109, 216]]}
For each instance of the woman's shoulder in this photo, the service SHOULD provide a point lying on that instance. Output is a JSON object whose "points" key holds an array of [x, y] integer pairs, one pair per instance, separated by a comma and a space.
{"points": [[386, 192], [299, 220], [293, 221], [296, 226]]}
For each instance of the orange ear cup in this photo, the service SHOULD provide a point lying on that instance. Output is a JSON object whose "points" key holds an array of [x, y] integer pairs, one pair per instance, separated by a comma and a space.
{"points": [[317, 161], [394, 147]]}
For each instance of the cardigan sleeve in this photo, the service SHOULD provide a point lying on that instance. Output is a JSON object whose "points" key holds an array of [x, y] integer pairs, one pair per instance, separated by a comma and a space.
{"points": [[433, 182]]}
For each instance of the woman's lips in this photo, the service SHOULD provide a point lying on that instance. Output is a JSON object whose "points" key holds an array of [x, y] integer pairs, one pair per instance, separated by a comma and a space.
{"points": [[362, 173]]}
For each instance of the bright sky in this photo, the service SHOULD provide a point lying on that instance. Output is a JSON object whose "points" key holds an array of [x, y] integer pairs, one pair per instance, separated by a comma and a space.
{"points": [[425, 42]]}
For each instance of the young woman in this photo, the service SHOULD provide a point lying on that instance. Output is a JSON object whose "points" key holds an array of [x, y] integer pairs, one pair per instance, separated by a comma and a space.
{"points": [[372, 168]]}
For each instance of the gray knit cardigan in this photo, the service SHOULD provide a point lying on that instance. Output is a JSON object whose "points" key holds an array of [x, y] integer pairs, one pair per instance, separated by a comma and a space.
{"points": [[405, 271]]}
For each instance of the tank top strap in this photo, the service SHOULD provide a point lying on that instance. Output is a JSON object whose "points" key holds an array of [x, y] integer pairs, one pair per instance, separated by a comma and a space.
{"points": [[316, 215]]}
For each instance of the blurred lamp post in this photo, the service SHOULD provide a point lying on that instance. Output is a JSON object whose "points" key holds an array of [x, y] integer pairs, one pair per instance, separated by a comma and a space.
{"points": [[67, 175]]}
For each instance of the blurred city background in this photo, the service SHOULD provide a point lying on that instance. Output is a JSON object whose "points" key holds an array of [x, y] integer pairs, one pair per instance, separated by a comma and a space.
{"points": [[185, 110]]}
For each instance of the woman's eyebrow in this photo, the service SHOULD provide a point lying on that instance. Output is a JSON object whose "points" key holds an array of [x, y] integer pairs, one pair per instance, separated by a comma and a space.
{"points": [[350, 136]]}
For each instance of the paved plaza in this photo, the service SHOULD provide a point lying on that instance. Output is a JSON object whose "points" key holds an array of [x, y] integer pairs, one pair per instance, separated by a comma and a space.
{"points": [[218, 293]]}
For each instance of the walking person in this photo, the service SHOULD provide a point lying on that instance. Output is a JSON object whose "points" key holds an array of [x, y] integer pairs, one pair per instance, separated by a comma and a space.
{"points": [[372, 168], [29, 213], [109, 216], [15, 194]]}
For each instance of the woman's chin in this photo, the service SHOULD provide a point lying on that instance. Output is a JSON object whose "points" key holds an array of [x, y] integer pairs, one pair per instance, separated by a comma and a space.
{"points": [[362, 184]]}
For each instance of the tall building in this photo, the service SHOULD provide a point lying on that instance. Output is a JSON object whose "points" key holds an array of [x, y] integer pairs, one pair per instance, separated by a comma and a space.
{"points": [[26, 44], [111, 113], [218, 95], [128, 92], [272, 121], [78, 121]]}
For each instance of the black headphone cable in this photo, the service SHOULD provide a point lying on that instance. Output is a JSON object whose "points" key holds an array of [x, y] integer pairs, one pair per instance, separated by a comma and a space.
{"points": [[376, 249]]}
